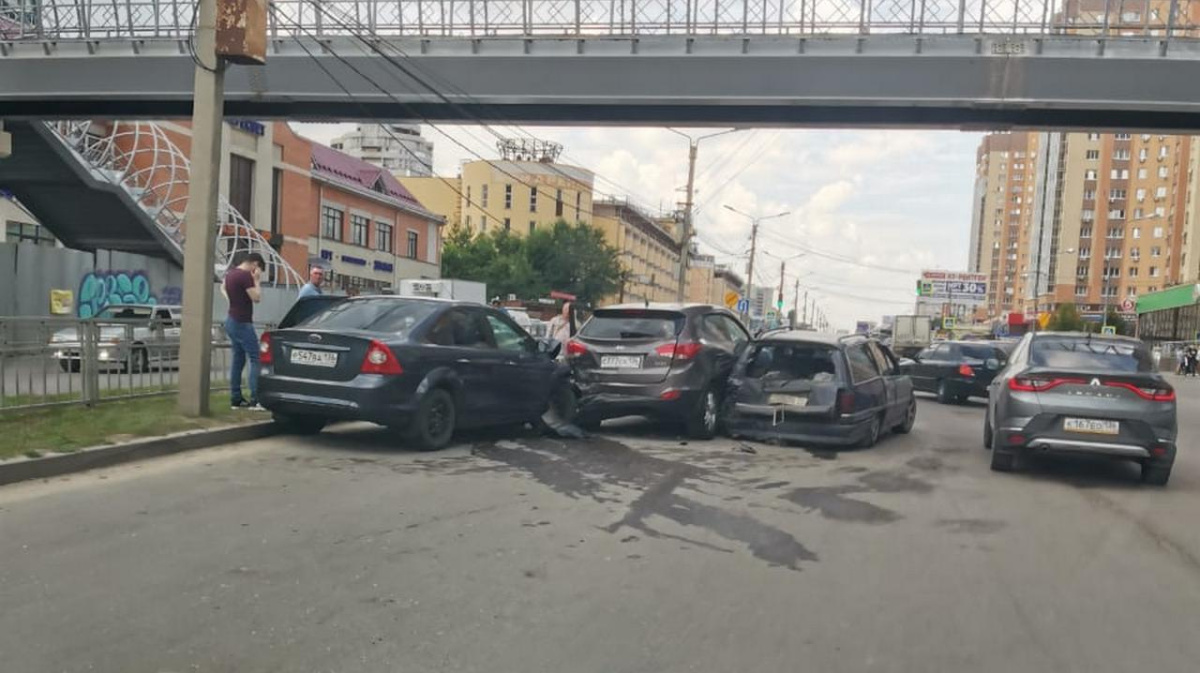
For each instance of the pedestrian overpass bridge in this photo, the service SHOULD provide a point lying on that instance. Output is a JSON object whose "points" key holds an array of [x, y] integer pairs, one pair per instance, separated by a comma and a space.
{"points": [[935, 63]]}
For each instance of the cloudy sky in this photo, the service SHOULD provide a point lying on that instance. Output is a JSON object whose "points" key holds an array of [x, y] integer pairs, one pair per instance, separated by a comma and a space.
{"points": [[868, 209]]}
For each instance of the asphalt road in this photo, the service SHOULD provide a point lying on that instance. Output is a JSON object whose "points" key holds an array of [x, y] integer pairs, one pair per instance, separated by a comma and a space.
{"points": [[627, 552]]}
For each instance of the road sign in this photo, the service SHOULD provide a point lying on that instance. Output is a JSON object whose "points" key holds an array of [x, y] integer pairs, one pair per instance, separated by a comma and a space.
{"points": [[743, 306], [1108, 329], [948, 323], [1128, 305], [731, 299]]}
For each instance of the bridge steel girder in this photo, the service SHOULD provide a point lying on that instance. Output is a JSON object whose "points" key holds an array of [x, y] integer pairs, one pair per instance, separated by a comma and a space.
{"points": [[966, 81]]}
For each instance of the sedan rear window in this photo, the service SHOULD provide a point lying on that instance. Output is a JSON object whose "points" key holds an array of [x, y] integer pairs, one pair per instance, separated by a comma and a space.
{"points": [[792, 362], [392, 316], [618, 325], [980, 353], [1090, 354]]}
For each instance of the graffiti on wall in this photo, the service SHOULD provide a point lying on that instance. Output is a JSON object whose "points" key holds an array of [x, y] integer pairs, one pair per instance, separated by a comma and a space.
{"points": [[100, 289]]}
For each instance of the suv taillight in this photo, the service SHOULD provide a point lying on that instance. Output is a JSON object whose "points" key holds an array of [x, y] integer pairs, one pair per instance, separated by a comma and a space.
{"points": [[575, 348], [264, 348], [380, 360], [680, 351], [845, 402], [965, 370]]}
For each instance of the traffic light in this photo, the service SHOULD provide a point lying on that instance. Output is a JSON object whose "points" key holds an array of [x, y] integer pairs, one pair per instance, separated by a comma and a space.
{"points": [[918, 287], [779, 304]]}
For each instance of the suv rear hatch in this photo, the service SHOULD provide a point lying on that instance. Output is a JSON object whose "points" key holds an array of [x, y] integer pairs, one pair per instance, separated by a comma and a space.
{"points": [[627, 345]]}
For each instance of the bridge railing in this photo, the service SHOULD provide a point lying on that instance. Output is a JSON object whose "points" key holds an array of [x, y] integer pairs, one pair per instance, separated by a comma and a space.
{"points": [[173, 19]]}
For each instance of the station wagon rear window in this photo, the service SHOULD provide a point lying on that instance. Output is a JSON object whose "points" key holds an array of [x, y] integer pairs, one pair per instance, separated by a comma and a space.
{"points": [[633, 324], [1090, 354], [391, 316], [792, 362]]}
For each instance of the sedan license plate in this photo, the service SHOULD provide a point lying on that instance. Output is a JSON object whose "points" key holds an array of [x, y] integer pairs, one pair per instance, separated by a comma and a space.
{"points": [[621, 361], [789, 400], [1091, 426], [313, 358]]}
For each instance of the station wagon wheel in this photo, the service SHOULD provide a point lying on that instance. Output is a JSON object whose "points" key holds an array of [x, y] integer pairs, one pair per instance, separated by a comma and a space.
{"points": [[872, 433], [433, 424], [910, 418]]}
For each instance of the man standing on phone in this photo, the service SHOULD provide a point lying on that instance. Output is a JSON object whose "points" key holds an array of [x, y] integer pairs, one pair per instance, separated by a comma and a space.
{"points": [[243, 290]]}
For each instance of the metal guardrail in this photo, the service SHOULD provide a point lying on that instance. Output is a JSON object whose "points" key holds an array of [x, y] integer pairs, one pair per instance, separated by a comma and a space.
{"points": [[46, 362], [144, 19]]}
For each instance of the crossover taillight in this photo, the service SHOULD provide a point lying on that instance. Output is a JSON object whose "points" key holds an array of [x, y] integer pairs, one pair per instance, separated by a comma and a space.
{"points": [[684, 350], [264, 348], [380, 360], [575, 348]]}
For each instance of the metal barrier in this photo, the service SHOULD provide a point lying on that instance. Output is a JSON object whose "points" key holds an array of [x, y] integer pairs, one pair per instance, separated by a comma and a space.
{"points": [[47, 362], [173, 19]]}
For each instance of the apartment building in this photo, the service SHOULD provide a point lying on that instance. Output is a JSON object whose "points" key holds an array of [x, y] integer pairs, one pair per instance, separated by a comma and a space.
{"points": [[397, 148], [649, 252]]}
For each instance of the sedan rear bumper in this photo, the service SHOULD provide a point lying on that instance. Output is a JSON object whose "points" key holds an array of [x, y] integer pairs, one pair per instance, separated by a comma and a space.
{"points": [[369, 397]]}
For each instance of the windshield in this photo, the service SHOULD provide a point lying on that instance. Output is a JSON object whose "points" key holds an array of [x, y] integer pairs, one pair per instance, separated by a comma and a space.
{"points": [[636, 324], [126, 313], [1090, 354], [393, 316], [793, 362]]}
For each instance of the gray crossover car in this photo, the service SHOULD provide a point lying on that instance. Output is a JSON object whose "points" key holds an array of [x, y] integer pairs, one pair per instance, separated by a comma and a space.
{"points": [[1082, 393], [659, 360]]}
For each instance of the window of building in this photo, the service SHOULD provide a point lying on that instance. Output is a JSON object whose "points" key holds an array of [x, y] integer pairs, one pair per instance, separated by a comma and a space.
{"points": [[1131, 292], [1081, 290], [1116, 214], [276, 200], [1119, 174], [1089, 174], [578, 205], [1159, 211], [1155, 251], [1116, 194], [241, 185], [1085, 232], [468, 222], [533, 199], [1115, 232], [483, 195], [331, 223], [1085, 253], [1081, 271], [1160, 193], [483, 222], [1089, 195], [413, 245], [1158, 232], [383, 236], [1087, 215], [558, 203], [1154, 272], [1121, 136], [1135, 254], [1121, 155], [27, 232], [1137, 232], [532, 226], [1163, 171], [1137, 213], [359, 230], [1141, 174], [1133, 272], [1142, 154], [508, 197], [1162, 152], [508, 224], [1141, 194], [468, 195], [1093, 136], [1093, 155]]}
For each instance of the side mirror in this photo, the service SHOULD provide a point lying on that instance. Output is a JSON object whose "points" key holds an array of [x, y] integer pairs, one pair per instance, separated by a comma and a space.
{"points": [[549, 347], [992, 364]]}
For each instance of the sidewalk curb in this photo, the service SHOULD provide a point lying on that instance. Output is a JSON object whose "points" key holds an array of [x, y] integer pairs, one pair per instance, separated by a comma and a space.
{"points": [[14, 471]]}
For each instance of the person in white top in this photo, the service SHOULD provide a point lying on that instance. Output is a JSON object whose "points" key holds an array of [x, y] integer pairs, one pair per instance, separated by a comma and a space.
{"points": [[562, 326]]}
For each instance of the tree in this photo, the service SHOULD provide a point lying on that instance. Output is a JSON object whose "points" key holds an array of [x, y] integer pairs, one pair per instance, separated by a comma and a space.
{"points": [[1066, 319], [569, 258], [1116, 321]]}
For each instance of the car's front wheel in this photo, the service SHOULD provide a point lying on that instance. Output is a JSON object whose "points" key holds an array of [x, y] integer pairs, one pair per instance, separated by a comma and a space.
{"points": [[433, 424], [701, 422]]}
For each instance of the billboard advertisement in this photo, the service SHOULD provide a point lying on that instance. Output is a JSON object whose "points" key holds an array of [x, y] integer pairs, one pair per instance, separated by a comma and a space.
{"points": [[960, 288]]}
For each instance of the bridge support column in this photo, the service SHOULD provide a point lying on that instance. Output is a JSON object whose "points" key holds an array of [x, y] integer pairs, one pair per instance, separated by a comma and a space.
{"points": [[5, 141], [195, 350]]}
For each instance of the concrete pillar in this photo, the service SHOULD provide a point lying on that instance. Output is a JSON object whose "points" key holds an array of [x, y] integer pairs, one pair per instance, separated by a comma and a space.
{"points": [[5, 142], [209, 99]]}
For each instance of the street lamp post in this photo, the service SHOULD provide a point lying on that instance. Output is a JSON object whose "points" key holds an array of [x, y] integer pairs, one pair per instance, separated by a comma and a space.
{"points": [[686, 233], [754, 222]]}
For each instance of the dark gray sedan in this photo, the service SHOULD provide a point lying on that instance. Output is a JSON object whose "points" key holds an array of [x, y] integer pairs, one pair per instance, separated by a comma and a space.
{"points": [[1082, 393]]}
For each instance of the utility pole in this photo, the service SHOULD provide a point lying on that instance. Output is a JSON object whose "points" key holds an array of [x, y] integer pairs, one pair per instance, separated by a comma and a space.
{"points": [[685, 238], [779, 301], [805, 320], [796, 303], [750, 269], [195, 346]]}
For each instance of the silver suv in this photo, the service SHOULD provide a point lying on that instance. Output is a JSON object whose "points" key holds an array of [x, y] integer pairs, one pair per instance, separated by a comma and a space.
{"points": [[133, 337], [1082, 393]]}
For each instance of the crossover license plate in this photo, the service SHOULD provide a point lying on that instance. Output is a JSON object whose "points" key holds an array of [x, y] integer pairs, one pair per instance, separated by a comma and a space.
{"points": [[1091, 426], [313, 358], [621, 361], [789, 400]]}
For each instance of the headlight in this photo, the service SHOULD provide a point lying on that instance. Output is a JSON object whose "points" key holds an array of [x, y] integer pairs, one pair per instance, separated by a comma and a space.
{"points": [[104, 354]]}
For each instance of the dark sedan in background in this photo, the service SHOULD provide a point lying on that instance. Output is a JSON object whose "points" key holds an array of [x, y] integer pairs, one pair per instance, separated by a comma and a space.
{"points": [[1083, 393], [425, 366], [956, 370], [809, 387], [667, 361]]}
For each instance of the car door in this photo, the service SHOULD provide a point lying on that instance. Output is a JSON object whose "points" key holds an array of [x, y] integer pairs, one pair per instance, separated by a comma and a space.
{"points": [[460, 341], [739, 335], [919, 369], [870, 391], [524, 374], [718, 344], [891, 397], [902, 383], [935, 366]]}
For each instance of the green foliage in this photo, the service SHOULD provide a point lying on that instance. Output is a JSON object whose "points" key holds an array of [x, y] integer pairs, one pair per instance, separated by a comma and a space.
{"points": [[1115, 320], [1066, 319], [569, 258]]}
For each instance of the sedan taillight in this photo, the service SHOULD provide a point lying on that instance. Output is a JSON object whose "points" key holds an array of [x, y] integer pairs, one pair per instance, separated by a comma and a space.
{"points": [[1034, 384], [965, 370], [264, 348], [380, 360]]}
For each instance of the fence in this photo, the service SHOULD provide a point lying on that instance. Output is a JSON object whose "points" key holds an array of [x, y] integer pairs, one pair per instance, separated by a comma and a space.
{"points": [[47, 362], [173, 19]]}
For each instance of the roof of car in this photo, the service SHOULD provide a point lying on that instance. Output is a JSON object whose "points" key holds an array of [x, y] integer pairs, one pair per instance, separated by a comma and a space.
{"points": [[657, 306], [437, 300], [173, 307], [1089, 335], [808, 336]]}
